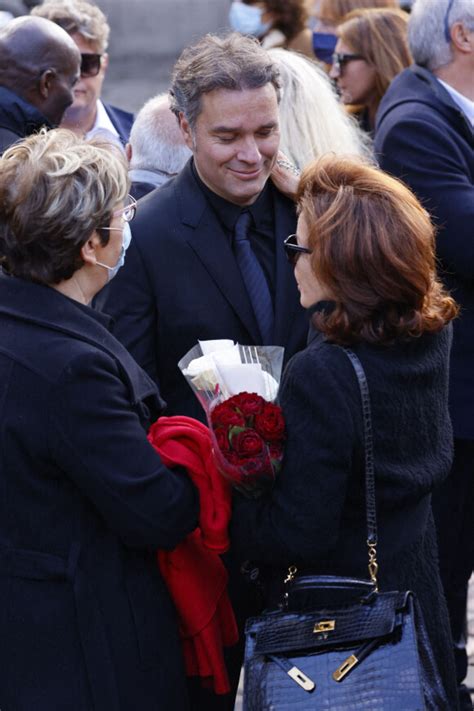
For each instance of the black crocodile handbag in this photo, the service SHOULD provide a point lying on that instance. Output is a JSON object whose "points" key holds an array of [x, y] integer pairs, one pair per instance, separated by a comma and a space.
{"points": [[340, 644]]}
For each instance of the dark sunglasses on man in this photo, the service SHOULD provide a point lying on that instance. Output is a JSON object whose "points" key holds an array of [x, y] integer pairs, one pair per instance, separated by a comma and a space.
{"points": [[90, 64], [293, 249]]}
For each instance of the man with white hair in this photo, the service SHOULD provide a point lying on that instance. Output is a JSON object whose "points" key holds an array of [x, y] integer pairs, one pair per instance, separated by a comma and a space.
{"points": [[156, 149], [425, 135]]}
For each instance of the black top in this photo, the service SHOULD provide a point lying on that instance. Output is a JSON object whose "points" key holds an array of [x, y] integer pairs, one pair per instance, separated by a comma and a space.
{"points": [[18, 118], [261, 231]]}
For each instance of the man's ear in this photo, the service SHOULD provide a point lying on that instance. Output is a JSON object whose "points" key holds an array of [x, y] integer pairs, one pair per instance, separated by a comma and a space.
{"points": [[186, 131], [46, 81], [128, 151], [462, 38]]}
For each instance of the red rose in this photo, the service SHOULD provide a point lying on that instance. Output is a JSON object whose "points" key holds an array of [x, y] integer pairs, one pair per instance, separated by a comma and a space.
{"points": [[249, 404], [276, 452], [222, 439], [224, 415], [258, 467], [248, 443], [270, 423]]}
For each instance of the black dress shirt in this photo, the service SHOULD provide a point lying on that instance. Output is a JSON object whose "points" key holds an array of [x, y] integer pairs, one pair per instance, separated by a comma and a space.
{"points": [[261, 230]]}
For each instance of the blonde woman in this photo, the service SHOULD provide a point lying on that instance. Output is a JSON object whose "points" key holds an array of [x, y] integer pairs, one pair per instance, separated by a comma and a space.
{"points": [[312, 121]]}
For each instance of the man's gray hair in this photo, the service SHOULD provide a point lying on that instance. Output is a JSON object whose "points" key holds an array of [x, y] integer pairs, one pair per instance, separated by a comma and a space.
{"points": [[156, 139], [427, 30], [230, 62]]}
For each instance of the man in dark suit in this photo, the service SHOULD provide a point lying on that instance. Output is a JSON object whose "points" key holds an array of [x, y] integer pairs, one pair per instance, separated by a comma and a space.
{"points": [[89, 29], [182, 280], [187, 275], [425, 135]]}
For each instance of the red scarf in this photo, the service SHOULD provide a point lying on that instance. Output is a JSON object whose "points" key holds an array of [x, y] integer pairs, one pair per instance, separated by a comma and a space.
{"points": [[194, 573]]}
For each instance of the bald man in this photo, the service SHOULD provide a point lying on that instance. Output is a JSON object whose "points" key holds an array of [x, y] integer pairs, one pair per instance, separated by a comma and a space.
{"points": [[39, 66]]}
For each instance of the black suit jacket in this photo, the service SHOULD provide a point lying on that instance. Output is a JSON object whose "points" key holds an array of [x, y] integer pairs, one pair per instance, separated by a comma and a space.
{"points": [[181, 283]]}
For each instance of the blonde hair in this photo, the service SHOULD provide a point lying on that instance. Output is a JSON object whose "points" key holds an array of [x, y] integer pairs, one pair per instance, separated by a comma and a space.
{"points": [[380, 37], [55, 190], [312, 121]]}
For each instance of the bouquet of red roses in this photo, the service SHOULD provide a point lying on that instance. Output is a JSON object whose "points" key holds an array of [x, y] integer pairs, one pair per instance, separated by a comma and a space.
{"points": [[237, 386]]}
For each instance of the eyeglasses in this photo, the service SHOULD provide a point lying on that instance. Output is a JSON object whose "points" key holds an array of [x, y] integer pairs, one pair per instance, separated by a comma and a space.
{"points": [[90, 65], [340, 59], [293, 250], [447, 33], [128, 212]]}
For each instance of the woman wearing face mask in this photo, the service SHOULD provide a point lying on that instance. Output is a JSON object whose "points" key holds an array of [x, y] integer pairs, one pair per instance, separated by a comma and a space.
{"points": [[86, 500], [328, 14], [372, 48], [276, 23]]}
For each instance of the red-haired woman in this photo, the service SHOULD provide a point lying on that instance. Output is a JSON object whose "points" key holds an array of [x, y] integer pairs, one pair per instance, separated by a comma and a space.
{"points": [[365, 266]]}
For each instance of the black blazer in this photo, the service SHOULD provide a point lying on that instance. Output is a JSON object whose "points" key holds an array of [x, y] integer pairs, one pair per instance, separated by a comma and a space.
{"points": [[181, 283], [85, 619]]}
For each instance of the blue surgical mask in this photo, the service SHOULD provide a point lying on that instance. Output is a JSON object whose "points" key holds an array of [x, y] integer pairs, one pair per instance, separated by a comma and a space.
{"points": [[247, 19], [324, 44], [126, 239]]}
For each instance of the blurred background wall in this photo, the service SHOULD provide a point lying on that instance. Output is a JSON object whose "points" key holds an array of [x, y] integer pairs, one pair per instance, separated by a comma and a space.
{"points": [[146, 38]]}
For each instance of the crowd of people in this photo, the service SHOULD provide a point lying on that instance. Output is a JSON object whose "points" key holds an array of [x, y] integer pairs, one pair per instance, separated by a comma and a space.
{"points": [[306, 182]]}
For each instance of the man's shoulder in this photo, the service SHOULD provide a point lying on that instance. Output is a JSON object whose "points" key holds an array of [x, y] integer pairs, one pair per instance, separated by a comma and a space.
{"points": [[415, 96], [121, 119]]}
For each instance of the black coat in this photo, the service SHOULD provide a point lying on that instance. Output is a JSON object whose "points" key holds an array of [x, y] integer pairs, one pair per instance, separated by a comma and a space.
{"points": [[18, 118], [181, 283], [315, 515], [85, 620], [423, 138]]}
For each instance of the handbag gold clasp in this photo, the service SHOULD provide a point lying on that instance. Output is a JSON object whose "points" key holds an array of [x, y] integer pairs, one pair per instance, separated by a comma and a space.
{"points": [[345, 668], [324, 626]]}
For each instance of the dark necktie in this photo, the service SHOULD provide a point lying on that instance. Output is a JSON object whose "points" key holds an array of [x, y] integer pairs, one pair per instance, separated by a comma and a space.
{"points": [[254, 278]]}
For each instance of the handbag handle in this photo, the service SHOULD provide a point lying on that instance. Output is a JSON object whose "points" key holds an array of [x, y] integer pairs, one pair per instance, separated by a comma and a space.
{"points": [[370, 505]]}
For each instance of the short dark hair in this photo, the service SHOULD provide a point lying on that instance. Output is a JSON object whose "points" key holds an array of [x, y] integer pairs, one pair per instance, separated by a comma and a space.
{"points": [[230, 62], [55, 190], [373, 249]]}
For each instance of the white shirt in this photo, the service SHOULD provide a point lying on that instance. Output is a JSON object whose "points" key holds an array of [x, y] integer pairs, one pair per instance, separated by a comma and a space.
{"points": [[103, 126], [465, 104]]}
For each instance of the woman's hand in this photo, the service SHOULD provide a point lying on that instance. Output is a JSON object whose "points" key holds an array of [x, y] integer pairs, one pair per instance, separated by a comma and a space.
{"points": [[285, 176]]}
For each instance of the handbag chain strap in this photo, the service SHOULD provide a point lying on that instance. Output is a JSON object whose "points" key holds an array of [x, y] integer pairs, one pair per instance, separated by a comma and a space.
{"points": [[370, 505]]}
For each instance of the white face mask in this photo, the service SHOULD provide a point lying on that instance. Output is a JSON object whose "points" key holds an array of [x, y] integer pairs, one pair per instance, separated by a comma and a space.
{"points": [[247, 19], [126, 239]]}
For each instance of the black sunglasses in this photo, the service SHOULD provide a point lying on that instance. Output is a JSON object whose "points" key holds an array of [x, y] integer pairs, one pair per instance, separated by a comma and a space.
{"points": [[340, 59], [293, 249], [90, 65]]}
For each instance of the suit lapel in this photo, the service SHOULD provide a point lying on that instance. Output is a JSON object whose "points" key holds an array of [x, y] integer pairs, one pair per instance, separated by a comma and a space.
{"points": [[286, 292], [205, 237]]}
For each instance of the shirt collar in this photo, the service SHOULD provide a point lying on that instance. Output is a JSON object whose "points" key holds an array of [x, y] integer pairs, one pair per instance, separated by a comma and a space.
{"points": [[103, 125], [228, 213], [465, 104]]}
